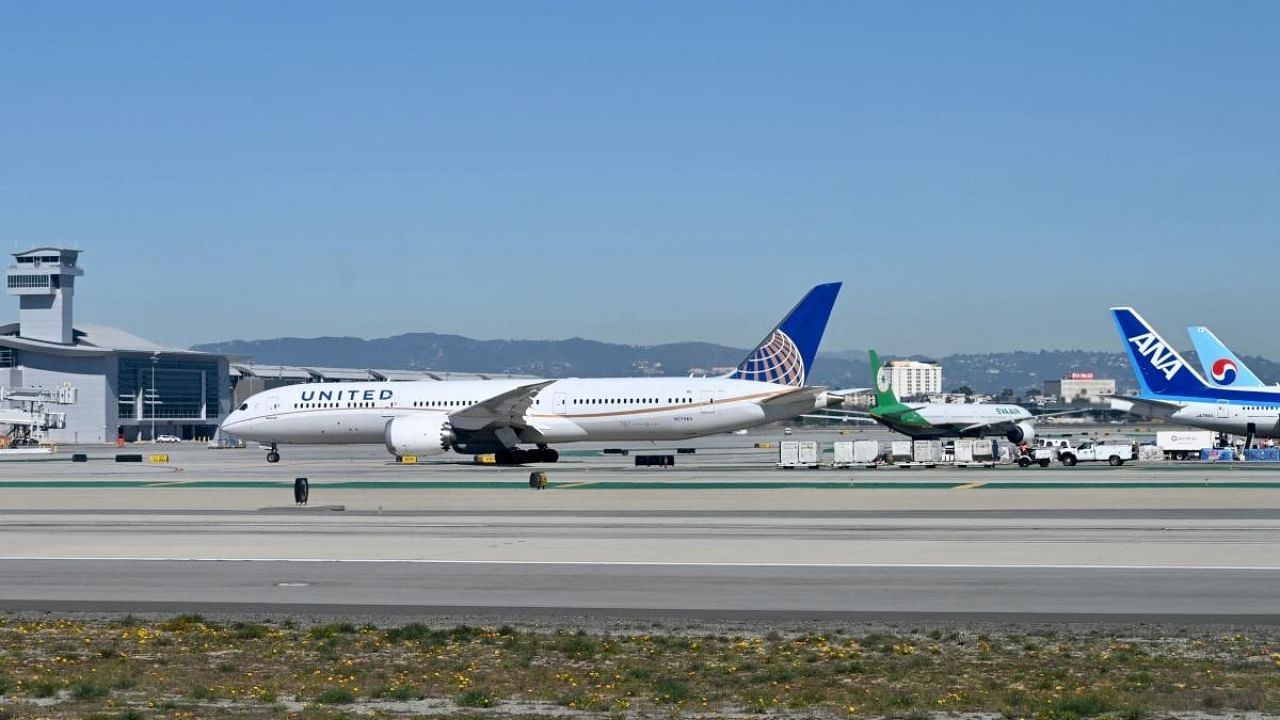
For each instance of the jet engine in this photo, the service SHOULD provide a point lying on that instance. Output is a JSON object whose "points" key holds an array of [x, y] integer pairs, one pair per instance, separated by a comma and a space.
{"points": [[1020, 433], [419, 435]]}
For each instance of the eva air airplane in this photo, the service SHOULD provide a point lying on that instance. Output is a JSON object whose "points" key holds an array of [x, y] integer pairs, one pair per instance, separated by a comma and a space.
{"points": [[934, 420]]}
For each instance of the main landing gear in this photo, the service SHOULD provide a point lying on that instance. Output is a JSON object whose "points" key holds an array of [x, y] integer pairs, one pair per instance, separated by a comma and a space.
{"points": [[273, 456], [516, 456]]}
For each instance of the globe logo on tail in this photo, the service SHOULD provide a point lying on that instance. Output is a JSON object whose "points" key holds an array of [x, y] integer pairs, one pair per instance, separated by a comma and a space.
{"points": [[777, 360], [1223, 371]]}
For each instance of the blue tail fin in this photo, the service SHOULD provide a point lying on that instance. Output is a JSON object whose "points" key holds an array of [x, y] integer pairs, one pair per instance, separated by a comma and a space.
{"points": [[785, 356], [1221, 366], [1160, 369]]}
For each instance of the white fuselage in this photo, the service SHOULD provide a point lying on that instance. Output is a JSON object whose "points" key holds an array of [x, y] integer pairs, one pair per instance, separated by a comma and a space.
{"points": [[573, 410], [1234, 417], [967, 414]]}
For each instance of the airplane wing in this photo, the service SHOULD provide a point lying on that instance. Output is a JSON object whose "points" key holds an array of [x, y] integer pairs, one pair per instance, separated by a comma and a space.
{"points": [[993, 424], [795, 395], [855, 419], [1148, 406], [1033, 418], [1064, 412], [504, 409], [905, 409]]}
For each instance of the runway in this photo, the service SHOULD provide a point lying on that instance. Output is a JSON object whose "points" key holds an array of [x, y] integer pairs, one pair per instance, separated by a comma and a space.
{"points": [[696, 591], [726, 536]]}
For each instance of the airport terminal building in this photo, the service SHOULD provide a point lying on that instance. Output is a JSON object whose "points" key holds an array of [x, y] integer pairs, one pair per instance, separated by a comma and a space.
{"points": [[125, 386]]}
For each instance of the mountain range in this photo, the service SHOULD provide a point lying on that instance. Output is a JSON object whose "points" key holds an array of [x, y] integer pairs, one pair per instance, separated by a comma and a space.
{"points": [[577, 357]]}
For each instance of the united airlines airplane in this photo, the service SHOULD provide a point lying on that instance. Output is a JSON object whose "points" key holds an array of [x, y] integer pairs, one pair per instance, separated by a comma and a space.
{"points": [[497, 416], [1171, 389]]}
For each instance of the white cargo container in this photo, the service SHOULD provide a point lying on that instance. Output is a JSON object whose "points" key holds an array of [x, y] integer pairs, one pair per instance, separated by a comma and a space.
{"points": [[901, 451], [797, 453], [974, 452], [809, 453], [842, 453], [866, 452], [1183, 444], [789, 454], [927, 451]]}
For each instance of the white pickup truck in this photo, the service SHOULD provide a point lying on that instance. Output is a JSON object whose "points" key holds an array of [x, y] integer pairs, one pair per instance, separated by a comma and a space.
{"points": [[1093, 451]]}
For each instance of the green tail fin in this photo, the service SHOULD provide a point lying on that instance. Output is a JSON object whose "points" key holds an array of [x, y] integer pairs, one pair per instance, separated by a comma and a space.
{"points": [[886, 399]]}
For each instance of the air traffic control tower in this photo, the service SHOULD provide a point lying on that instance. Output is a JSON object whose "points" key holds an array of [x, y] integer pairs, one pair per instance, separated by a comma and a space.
{"points": [[44, 279], [126, 387]]}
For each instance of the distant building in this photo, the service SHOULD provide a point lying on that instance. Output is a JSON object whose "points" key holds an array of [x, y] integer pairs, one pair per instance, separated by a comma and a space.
{"points": [[911, 378], [125, 386], [1080, 387]]}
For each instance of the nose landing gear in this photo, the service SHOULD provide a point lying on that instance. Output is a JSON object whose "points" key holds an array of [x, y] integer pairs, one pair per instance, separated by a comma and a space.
{"points": [[272, 455]]}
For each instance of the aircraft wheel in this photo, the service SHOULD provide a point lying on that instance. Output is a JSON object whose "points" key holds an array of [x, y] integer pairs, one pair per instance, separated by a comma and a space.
{"points": [[516, 456], [273, 457], [549, 455]]}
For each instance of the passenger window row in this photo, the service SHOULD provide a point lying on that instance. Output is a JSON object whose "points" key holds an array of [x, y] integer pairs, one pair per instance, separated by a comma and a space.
{"points": [[631, 401]]}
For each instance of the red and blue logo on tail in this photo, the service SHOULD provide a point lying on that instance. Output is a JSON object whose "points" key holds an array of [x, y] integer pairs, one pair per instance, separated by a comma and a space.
{"points": [[1224, 371]]}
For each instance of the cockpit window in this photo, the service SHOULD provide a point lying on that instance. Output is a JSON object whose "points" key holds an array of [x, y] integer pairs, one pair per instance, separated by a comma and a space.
{"points": [[244, 406]]}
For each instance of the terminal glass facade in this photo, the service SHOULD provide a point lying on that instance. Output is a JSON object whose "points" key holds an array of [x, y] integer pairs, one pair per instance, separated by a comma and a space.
{"points": [[184, 389]]}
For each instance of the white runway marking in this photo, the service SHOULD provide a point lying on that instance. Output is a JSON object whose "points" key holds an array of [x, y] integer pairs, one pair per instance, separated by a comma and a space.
{"points": [[645, 563]]}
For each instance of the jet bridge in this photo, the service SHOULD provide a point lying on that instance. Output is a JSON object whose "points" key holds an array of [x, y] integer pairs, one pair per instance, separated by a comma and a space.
{"points": [[26, 417]]}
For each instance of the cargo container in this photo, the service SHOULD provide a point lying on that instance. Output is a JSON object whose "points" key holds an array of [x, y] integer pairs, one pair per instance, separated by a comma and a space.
{"points": [[842, 453], [927, 451], [789, 454], [866, 452], [797, 453], [809, 453]]}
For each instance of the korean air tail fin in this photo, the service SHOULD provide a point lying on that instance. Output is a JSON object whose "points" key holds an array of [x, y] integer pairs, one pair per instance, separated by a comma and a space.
{"points": [[786, 354], [1158, 367], [1221, 366]]}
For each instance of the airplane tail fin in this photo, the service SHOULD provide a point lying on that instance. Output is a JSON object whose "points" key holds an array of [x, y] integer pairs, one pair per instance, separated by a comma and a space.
{"points": [[1158, 367], [886, 398], [1221, 366], [785, 356]]}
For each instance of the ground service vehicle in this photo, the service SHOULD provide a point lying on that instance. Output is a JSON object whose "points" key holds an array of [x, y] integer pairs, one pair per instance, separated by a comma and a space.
{"points": [[1091, 451], [1184, 444], [1041, 456]]}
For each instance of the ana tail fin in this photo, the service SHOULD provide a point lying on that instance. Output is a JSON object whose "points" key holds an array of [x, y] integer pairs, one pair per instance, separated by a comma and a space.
{"points": [[1221, 366], [786, 354], [1158, 367]]}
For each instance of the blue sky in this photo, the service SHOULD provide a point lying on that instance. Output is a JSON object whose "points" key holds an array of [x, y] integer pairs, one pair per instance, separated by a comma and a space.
{"points": [[983, 175]]}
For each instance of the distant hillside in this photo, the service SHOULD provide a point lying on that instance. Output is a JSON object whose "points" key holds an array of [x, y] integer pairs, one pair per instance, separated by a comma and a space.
{"points": [[576, 357]]}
